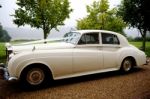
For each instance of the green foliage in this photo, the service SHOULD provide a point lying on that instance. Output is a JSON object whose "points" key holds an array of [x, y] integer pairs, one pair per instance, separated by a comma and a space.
{"points": [[4, 37], [45, 14], [137, 39], [136, 13], [100, 17]]}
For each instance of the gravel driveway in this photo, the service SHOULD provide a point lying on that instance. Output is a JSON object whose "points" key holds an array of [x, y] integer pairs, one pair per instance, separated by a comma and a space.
{"points": [[112, 85]]}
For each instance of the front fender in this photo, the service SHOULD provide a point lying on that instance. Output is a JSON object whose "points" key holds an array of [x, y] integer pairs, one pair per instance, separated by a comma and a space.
{"points": [[29, 62], [20, 61]]}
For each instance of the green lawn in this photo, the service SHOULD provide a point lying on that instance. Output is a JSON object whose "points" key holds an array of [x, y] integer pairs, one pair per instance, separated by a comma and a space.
{"points": [[2, 53], [137, 44]]}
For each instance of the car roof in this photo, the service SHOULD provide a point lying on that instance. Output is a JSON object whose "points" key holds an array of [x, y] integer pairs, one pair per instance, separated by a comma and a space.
{"points": [[88, 31], [122, 39]]}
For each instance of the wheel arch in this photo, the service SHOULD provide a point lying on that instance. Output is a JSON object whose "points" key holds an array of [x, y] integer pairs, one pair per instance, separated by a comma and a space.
{"points": [[38, 65], [127, 52], [133, 59]]}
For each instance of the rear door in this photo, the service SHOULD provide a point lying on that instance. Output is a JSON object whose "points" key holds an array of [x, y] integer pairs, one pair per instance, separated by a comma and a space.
{"points": [[110, 46]]}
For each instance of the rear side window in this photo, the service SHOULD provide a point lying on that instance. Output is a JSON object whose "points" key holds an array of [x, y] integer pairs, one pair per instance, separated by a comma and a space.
{"points": [[89, 38], [110, 39]]}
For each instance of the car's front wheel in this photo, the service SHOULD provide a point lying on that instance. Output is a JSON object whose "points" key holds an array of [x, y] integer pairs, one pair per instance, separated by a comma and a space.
{"points": [[33, 77], [126, 65]]}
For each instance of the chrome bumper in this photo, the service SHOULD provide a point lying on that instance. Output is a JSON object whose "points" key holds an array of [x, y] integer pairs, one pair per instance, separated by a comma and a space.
{"points": [[4, 73]]}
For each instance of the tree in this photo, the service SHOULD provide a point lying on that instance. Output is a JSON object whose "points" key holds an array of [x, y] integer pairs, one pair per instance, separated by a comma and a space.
{"points": [[45, 14], [100, 17], [136, 13], [4, 37]]}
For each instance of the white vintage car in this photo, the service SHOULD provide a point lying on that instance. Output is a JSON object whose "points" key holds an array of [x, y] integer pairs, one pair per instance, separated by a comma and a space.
{"points": [[79, 53]]}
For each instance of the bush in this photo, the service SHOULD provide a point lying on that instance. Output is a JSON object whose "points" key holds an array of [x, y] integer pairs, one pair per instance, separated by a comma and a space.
{"points": [[137, 39], [4, 37]]}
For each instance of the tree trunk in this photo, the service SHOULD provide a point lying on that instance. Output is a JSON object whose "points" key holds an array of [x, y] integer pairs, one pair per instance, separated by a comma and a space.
{"points": [[144, 43], [45, 34], [144, 40]]}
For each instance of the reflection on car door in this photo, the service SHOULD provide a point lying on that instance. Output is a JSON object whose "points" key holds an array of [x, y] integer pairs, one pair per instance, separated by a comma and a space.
{"points": [[110, 45], [86, 54]]}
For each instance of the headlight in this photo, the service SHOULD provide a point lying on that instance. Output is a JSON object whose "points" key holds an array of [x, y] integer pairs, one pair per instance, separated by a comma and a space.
{"points": [[9, 52], [11, 55]]}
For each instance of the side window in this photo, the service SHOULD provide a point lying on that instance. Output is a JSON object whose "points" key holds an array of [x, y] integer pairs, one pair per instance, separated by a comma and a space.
{"points": [[116, 40], [89, 38], [109, 39], [82, 40]]}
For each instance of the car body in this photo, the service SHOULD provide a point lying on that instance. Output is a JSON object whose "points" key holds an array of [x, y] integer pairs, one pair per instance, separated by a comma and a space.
{"points": [[81, 52]]}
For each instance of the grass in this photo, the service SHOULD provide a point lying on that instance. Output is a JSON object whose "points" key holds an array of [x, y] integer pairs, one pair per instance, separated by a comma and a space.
{"points": [[3, 53], [139, 44]]}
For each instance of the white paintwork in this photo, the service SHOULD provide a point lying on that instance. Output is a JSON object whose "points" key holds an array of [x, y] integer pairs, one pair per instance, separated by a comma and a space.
{"points": [[22, 48], [69, 60]]}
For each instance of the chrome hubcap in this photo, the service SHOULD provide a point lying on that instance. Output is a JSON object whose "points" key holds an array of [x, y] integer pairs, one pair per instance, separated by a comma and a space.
{"points": [[35, 76], [127, 65]]}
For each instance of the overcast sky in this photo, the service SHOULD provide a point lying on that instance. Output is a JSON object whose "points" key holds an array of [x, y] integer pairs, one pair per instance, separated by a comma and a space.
{"points": [[79, 11], [78, 6]]}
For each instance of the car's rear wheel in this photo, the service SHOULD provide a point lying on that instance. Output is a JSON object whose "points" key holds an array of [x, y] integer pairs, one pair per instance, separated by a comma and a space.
{"points": [[126, 65]]}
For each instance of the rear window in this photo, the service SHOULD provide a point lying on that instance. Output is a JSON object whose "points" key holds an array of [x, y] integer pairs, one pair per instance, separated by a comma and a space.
{"points": [[110, 39]]}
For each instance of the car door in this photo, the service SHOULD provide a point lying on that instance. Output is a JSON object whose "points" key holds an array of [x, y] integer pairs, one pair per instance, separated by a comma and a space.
{"points": [[86, 54], [110, 46]]}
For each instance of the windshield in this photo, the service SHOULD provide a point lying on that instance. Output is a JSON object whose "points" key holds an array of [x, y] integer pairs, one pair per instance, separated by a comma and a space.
{"points": [[72, 37]]}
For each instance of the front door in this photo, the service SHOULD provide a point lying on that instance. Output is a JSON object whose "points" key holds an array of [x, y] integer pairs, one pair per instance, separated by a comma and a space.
{"points": [[86, 55]]}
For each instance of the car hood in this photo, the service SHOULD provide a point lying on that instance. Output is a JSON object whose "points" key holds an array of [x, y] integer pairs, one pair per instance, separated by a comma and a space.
{"points": [[44, 46]]}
